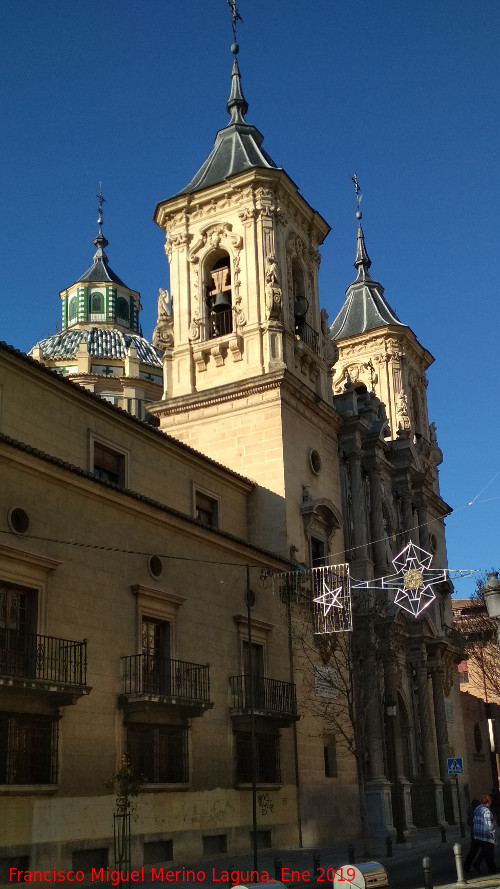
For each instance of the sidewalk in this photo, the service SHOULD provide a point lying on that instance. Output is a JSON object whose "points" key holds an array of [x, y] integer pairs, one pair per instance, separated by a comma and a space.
{"points": [[404, 866]]}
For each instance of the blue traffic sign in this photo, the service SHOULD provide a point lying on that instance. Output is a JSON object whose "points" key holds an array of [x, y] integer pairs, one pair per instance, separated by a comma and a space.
{"points": [[455, 765]]}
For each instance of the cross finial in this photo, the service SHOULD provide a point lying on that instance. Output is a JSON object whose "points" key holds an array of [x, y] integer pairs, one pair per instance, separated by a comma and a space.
{"points": [[354, 180], [236, 17], [101, 201]]}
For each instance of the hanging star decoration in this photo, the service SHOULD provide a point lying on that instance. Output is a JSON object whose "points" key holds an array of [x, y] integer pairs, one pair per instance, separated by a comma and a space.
{"points": [[329, 598], [331, 601], [412, 581], [325, 591]]}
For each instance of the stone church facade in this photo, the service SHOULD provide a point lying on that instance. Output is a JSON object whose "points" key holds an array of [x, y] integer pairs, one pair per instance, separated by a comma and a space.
{"points": [[128, 552]]}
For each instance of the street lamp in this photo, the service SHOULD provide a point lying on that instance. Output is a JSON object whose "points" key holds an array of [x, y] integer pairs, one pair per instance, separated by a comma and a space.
{"points": [[491, 594]]}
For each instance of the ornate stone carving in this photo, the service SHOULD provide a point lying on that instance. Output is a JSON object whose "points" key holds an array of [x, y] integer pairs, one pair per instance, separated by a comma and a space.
{"points": [[274, 297], [402, 412], [217, 355], [163, 334]]}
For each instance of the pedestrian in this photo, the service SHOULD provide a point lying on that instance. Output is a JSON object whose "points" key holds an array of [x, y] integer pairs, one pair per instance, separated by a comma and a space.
{"points": [[470, 820], [483, 835]]}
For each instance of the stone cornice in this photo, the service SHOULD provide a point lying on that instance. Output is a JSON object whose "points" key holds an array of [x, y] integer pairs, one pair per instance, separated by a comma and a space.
{"points": [[371, 341], [254, 178], [279, 381]]}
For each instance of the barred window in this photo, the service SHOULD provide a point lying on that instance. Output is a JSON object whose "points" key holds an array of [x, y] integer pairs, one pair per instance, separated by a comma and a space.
{"points": [[158, 753], [267, 759], [28, 749]]}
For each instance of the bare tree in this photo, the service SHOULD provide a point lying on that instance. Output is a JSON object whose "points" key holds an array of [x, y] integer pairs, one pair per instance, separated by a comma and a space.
{"points": [[479, 632], [332, 666]]}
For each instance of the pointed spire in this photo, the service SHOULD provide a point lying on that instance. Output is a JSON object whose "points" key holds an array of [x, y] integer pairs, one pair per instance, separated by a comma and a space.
{"points": [[236, 105], [365, 307], [99, 271], [238, 146], [362, 261]]}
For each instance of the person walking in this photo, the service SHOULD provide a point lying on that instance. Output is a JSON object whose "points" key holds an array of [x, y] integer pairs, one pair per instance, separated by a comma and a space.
{"points": [[483, 835]]}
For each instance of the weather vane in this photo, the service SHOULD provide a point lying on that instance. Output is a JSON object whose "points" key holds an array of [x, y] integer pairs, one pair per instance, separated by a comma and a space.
{"points": [[101, 201], [354, 180], [236, 17]]}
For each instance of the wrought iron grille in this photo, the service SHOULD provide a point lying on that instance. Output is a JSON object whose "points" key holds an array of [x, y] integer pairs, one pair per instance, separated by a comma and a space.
{"points": [[267, 759], [307, 334], [32, 656], [158, 753], [270, 695], [217, 324], [326, 591], [28, 749], [147, 674]]}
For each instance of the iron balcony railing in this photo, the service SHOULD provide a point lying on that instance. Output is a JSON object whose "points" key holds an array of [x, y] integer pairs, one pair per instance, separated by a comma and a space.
{"points": [[32, 656], [217, 324], [306, 333], [144, 674], [269, 695]]}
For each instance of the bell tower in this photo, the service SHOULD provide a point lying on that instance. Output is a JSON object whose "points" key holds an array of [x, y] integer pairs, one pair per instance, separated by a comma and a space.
{"points": [[247, 353]]}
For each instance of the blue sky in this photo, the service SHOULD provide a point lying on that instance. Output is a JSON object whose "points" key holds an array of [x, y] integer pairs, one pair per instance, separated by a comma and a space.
{"points": [[404, 92]]}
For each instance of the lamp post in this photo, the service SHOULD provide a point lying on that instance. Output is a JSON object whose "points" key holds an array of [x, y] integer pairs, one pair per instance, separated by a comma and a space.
{"points": [[490, 592], [398, 816], [491, 595]]}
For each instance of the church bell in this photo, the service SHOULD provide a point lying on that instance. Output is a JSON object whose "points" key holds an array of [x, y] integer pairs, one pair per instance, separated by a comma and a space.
{"points": [[222, 302]]}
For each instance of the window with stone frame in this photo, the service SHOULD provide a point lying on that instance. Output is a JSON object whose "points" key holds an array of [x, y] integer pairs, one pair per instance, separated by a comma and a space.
{"points": [[267, 758], [206, 509], [109, 464], [28, 749]]}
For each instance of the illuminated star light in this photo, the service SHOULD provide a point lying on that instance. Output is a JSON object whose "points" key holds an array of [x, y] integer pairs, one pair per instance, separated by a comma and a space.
{"points": [[413, 580], [334, 601]]}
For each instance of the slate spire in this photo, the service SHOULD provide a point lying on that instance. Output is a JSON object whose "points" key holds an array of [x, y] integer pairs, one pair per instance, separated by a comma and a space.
{"points": [[237, 147], [365, 307]]}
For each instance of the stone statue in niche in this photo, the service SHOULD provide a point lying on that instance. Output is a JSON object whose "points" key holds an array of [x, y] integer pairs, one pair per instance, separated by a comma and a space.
{"points": [[274, 297]]}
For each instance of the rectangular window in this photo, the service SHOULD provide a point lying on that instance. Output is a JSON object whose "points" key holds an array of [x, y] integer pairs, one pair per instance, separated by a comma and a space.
{"points": [[109, 465], [158, 753], [206, 510], [267, 759], [28, 749], [318, 552]]}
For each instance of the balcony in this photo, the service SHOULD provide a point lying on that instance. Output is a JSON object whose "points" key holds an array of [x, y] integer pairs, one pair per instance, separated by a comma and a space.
{"points": [[43, 663], [305, 333], [149, 679], [271, 698]]}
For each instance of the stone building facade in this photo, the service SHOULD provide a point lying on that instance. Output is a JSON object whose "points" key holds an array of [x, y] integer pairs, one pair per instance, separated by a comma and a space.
{"points": [[128, 553]]}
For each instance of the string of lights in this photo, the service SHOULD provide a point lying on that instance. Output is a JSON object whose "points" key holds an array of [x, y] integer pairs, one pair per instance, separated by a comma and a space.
{"points": [[125, 551]]}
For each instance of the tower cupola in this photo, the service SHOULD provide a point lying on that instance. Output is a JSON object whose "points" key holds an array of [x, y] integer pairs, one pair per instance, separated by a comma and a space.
{"points": [[100, 344]]}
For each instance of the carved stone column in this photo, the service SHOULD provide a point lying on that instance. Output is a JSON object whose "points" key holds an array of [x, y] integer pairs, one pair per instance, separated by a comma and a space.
{"points": [[377, 523], [425, 715], [407, 516], [358, 507], [437, 675], [377, 787], [423, 529]]}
